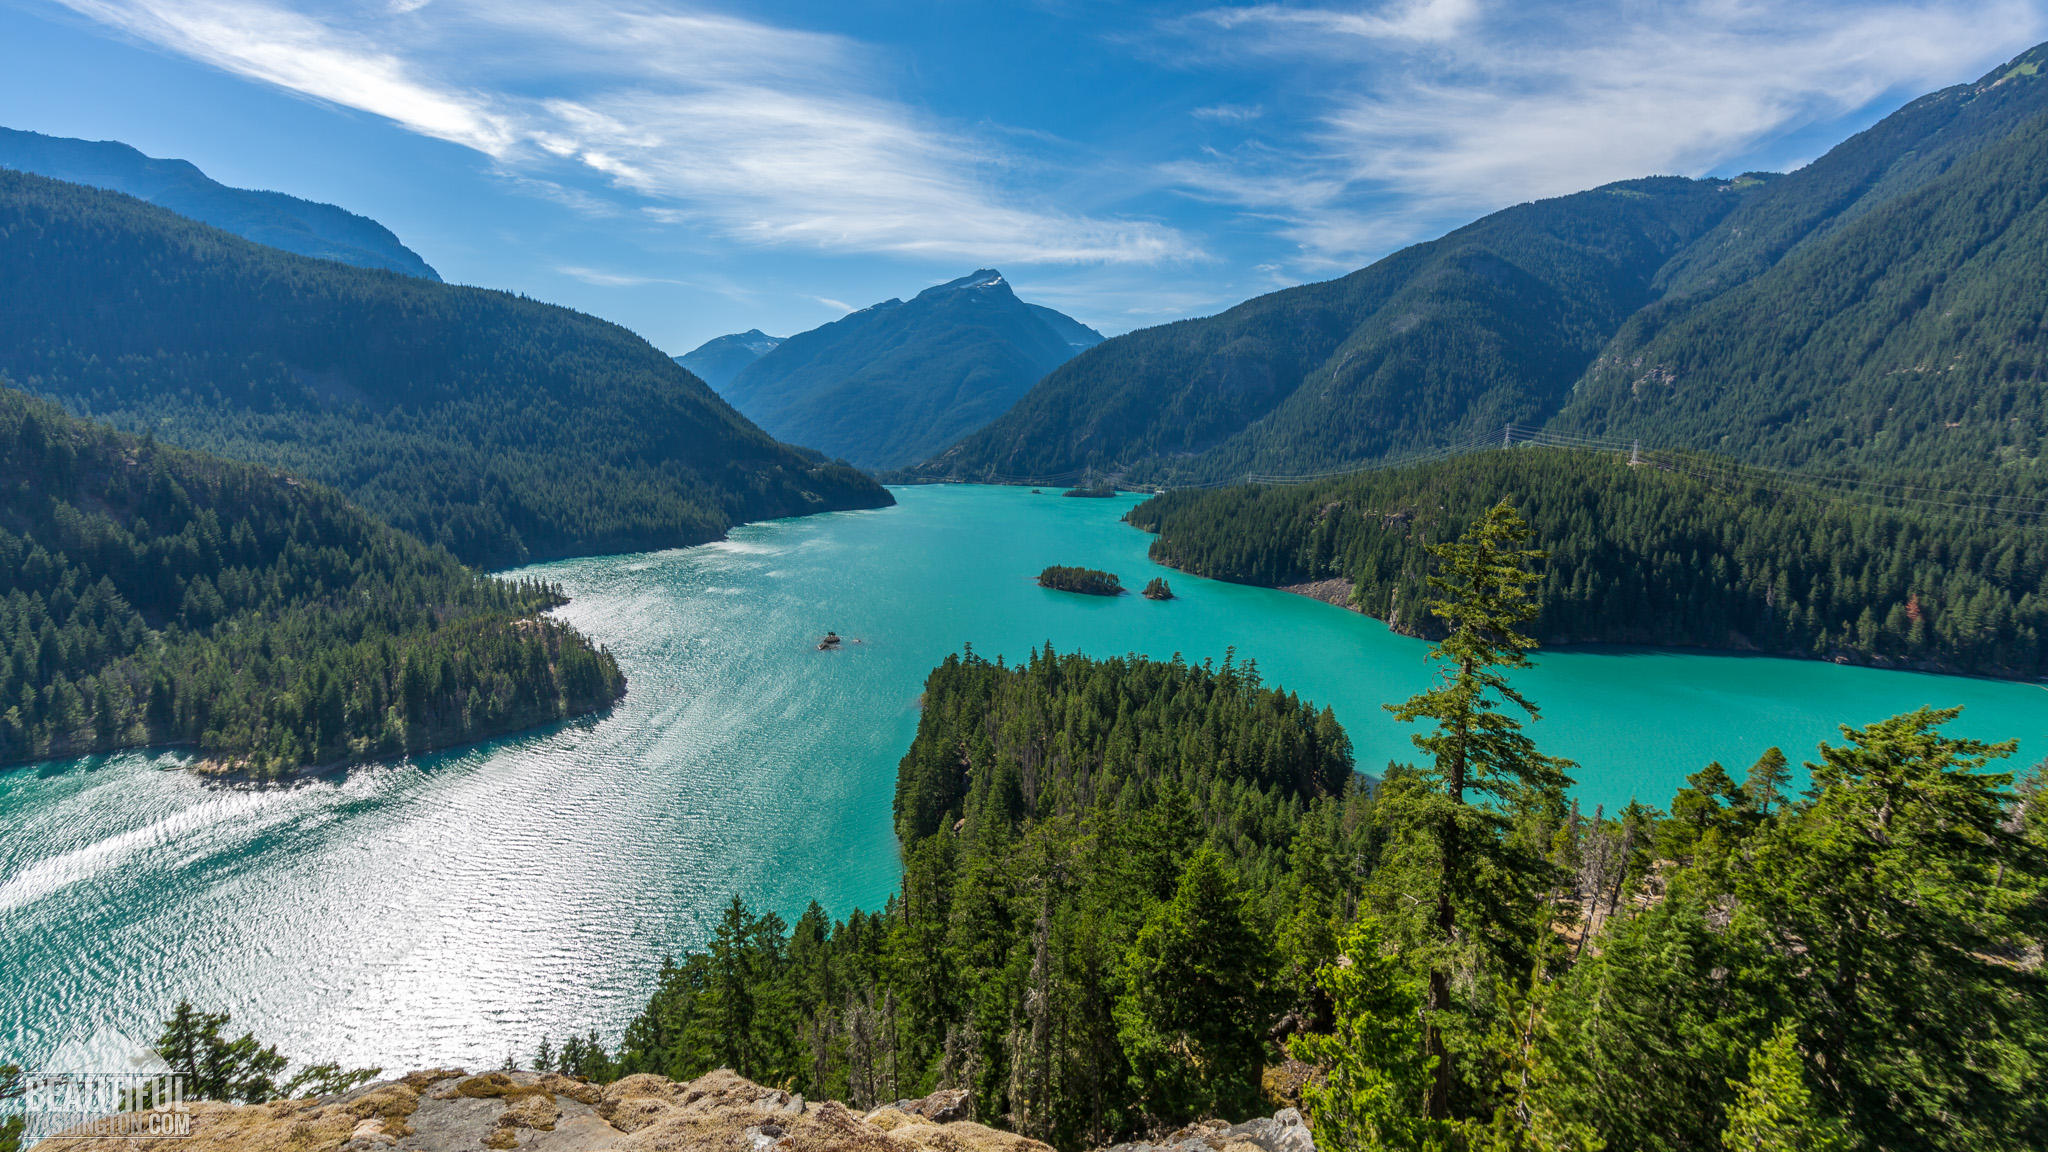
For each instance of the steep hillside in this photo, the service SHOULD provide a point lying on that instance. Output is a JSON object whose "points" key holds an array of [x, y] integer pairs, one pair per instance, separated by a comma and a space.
{"points": [[501, 427], [1488, 325], [151, 595], [718, 360], [1894, 157], [894, 383], [1912, 335], [1875, 309], [303, 226]]}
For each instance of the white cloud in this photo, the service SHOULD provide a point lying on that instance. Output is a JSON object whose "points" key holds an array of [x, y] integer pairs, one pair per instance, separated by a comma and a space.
{"points": [[1229, 113], [1455, 110], [604, 279], [726, 125], [304, 55], [1418, 20]]}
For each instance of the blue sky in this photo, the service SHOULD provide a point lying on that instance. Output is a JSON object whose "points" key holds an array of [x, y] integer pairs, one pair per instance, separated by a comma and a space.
{"points": [[693, 169]]}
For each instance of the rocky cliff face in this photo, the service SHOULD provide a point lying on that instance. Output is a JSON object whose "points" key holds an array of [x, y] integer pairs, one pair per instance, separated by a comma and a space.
{"points": [[443, 1110]]}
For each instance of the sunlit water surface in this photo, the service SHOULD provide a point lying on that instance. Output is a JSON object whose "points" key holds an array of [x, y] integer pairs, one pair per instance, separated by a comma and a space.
{"points": [[461, 906]]}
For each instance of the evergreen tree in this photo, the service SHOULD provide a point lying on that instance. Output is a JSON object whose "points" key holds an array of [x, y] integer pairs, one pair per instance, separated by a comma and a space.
{"points": [[1901, 901], [12, 1125], [1773, 1111], [732, 989], [1764, 788], [1191, 1022], [242, 1070], [1476, 747], [1376, 1074]]}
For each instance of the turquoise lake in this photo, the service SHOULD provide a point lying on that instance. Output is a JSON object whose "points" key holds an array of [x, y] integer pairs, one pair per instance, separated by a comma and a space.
{"points": [[456, 908]]}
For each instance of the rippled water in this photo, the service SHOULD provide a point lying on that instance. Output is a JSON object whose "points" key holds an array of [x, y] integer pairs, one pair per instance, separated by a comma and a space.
{"points": [[460, 906]]}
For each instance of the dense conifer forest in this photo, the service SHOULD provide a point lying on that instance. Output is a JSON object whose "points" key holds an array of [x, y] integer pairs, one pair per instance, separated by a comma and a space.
{"points": [[1091, 581], [502, 428], [1132, 889], [1488, 325], [1649, 555], [1911, 336], [152, 595]]}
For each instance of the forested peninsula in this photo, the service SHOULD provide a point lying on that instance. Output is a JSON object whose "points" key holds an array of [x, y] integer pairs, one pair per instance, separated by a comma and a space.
{"points": [[1134, 890], [1649, 554], [154, 595], [502, 428]]}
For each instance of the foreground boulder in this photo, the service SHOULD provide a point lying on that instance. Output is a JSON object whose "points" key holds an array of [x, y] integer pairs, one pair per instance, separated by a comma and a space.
{"points": [[444, 1110], [1284, 1131]]}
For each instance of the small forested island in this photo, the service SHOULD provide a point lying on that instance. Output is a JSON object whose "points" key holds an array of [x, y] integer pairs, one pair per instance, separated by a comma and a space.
{"points": [[1132, 887], [1090, 581], [151, 595], [1157, 589]]}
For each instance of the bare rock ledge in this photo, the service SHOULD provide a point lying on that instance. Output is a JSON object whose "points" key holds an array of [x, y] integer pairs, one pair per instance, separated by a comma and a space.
{"points": [[444, 1110]]}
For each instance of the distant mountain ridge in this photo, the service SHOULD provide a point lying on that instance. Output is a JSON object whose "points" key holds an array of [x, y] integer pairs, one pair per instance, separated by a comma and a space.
{"points": [[1871, 309], [718, 360], [896, 381], [306, 227], [506, 429]]}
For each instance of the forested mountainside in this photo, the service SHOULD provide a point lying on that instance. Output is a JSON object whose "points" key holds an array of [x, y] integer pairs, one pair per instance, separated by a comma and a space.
{"points": [[1661, 553], [1131, 890], [155, 595], [500, 427], [718, 360], [1873, 309], [1488, 325], [895, 382], [1913, 335], [288, 222]]}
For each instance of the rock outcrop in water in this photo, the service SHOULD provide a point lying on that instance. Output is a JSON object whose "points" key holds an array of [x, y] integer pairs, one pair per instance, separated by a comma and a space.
{"points": [[443, 1110]]}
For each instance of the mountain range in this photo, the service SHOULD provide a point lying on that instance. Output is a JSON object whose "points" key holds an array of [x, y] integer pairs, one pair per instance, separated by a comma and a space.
{"points": [[1878, 307], [501, 427], [899, 380], [302, 226], [718, 360]]}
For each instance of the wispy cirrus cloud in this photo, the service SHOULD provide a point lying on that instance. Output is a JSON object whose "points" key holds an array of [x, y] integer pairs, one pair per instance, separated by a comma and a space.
{"points": [[1452, 108], [743, 129], [1419, 21]]}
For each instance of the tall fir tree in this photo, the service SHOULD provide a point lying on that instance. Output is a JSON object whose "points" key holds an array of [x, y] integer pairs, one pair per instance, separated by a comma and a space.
{"points": [[1483, 893]]}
